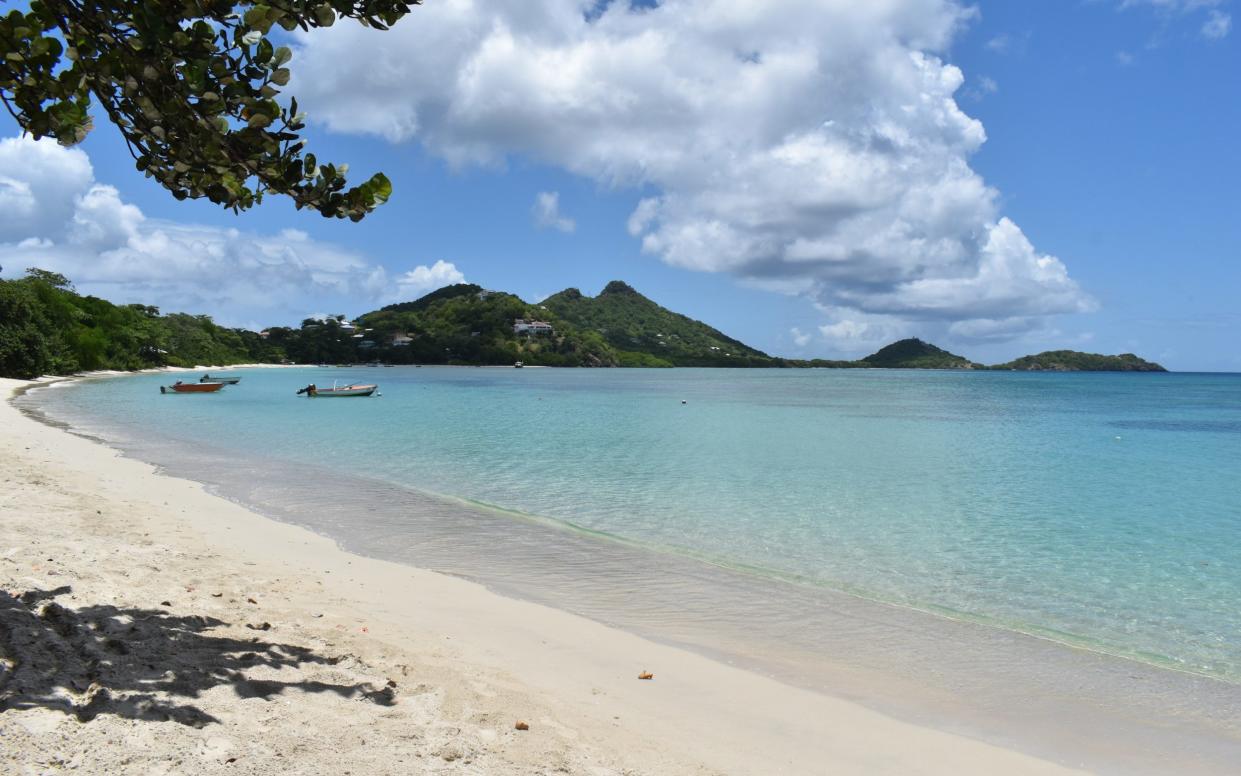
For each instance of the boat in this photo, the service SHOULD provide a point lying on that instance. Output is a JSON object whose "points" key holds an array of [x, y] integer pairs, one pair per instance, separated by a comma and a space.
{"points": [[180, 387], [220, 380], [518, 365], [355, 389]]}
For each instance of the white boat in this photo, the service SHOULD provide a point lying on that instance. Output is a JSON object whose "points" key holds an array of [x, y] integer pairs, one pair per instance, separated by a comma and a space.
{"points": [[355, 389]]}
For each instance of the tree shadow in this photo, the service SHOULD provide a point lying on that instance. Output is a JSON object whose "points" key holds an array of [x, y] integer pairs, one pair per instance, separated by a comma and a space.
{"points": [[138, 663]]}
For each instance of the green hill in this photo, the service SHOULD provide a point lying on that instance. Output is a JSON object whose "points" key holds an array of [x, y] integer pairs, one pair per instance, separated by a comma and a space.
{"points": [[48, 328], [645, 334], [1073, 361], [465, 324], [915, 354], [439, 294]]}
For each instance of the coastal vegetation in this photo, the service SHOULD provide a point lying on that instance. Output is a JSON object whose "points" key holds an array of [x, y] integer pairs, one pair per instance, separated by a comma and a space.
{"points": [[192, 89], [46, 327], [1074, 361]]}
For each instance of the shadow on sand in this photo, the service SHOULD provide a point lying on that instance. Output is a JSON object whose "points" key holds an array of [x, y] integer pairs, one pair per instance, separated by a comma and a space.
{"points": [[140, 664]]}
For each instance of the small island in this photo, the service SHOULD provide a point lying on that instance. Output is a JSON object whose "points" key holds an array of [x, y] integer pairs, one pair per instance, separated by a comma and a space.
{"points": [[1074, 361]]}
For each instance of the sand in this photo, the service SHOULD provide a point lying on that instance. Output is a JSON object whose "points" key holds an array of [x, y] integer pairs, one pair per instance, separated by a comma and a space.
{"points": [[149, 627]]}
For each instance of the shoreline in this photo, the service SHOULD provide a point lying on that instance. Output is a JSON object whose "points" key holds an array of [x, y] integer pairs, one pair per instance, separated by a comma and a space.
{"points": [[572, 680], [698, 720]]}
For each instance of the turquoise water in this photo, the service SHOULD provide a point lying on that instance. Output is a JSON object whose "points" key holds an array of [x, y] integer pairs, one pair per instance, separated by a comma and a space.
{"points": [[1103, 510]]}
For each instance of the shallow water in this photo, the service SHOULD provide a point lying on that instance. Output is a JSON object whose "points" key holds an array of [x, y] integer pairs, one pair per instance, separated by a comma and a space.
{"points": [[887, 536], [1103, 510]]}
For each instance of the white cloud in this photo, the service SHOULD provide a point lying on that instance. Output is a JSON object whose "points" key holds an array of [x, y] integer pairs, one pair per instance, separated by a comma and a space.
{"points": [[547, 213], [800, 338], [1217, 25], [33, 179], [423, 279], [992, 330], [854, 334], [1000, 43], [1179, 6], [814, 144], [54, 215], [1124, 58], [981, 88]]}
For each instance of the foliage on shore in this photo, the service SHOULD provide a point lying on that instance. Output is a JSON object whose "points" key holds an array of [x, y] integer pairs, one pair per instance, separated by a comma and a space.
{"points": [[48, 328]]}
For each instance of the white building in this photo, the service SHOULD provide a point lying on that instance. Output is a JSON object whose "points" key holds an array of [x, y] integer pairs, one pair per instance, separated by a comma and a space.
{"points": [[533, 328]]}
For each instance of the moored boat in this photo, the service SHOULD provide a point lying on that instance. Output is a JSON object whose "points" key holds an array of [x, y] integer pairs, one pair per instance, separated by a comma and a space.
{"points": [[180, 387], [355, 389], [220, 380]]}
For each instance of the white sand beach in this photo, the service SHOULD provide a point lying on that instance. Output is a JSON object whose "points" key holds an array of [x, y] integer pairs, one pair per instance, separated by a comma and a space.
{"points": [[147, 626]]}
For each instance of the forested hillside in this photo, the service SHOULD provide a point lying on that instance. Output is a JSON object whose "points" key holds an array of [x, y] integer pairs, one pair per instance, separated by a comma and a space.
{"points": [[48, 328], [646, 334]]}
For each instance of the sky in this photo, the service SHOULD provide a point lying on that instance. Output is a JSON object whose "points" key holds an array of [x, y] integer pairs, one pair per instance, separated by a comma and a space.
{"points": [[814, 177]]}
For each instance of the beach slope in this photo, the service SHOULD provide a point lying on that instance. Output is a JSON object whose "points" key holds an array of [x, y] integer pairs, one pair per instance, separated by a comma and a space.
{"points": [[147, 626]]}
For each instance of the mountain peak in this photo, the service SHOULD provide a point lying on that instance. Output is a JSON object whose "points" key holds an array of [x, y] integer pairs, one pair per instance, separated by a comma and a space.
{"points": [[619, 287], [914, 353]]}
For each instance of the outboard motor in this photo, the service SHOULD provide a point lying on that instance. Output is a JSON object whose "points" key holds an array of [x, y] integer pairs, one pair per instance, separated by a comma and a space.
{"points": [[310, 389]]}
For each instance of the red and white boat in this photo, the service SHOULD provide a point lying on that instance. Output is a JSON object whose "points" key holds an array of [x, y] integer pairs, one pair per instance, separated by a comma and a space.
{"points": [[356, 389], [180, 387]]}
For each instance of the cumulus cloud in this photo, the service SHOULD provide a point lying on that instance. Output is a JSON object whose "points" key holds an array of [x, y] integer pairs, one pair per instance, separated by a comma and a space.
{"points": [[800, 338], [808, 144], [33, 180], [422, 279], [857, 333], [55, 215], [1217, 25], [547, 213]]}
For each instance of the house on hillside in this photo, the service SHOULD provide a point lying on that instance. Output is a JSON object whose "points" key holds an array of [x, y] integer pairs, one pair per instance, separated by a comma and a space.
{"points": [[401, 340], [530, 328]]}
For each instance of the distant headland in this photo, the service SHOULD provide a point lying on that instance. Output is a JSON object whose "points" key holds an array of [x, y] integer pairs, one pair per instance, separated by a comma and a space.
{"points": [[46, 327]]}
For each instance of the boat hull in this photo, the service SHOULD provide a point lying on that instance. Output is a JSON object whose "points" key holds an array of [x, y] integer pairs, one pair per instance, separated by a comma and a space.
{"points": [[191, 388], [220, 380], [344, 391]]}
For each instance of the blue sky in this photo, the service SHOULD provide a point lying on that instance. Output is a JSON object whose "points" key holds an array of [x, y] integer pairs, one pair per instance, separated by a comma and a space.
{"points": [[774, 152]]}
